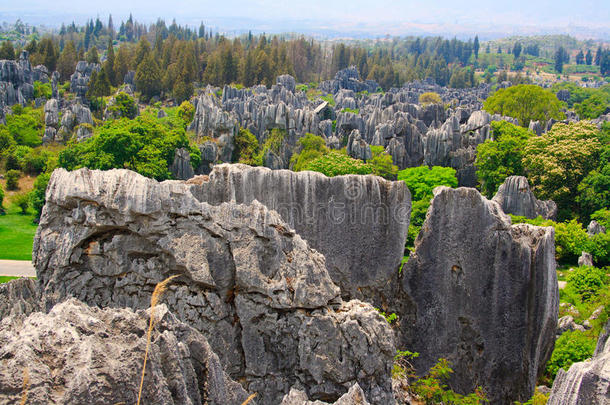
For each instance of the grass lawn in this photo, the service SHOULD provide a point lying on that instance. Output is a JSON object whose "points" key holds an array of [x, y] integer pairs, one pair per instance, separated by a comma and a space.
{"points": [[16, 235]]}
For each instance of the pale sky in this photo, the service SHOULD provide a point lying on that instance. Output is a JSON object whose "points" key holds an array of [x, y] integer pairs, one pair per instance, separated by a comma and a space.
{"points": [[536, 13]]}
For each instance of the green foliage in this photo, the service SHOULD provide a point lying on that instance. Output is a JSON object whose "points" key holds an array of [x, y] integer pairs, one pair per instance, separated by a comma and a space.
{"points": [[422, 180], [498, 159], [16, 235], [148, 77], [186, 112], [145, 144], [525, 102], [587, 281], [12, 180], [592, 107], [432, 389], [571, 347], [382, 164], [388, 317], [329, 99], [37, 195], [402, 368], [430, 98], [538, 398], [274, 141], [22, 201], [603, 217], [558, 161], [1, 200], [246, 148], [336, 163], [124, 105], [26, 125], [42, 90], [312, 147]]}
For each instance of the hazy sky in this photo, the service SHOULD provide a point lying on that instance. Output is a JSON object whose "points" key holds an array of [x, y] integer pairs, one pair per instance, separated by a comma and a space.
{"points": [[555, 13]]}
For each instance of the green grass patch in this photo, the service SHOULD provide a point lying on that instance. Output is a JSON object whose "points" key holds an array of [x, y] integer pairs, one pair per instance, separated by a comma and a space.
{"points": [[6, 279], [16, 235]]}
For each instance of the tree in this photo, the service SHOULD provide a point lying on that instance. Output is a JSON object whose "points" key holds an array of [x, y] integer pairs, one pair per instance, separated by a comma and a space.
{"points": [[49, 53], [526, 102], [67, 61], [476, 47], [93, 56], [501, 157], [580, 58], [7, 51], [121, 64], [558, 161], [588, 57], [148, 77], [598, 56], [560, 58], [12, 179], [109, 64], [430, 98], [604, 63], [517, 49]]}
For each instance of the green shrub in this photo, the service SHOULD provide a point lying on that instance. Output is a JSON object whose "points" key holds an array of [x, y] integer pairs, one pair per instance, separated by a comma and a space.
{"points": [[273, 142], [1, 200], [37, 195], [329, 99], [336, 163], [571, 347], [124, 105], [12, 179], [586, 281], [351, 110], [603, 217], [186, 112], [246, 148], [312, 147], [592, 107], [22, 201], [382, 164], [26, 125], [430, 98], [42, 90]]}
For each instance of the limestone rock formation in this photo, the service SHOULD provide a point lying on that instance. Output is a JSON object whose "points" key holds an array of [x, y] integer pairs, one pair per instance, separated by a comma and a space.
{"points": [[515, 197], [587, 382], [358, 148], [359, 223], [19, 297], [16, 81], [247, 281], [354, 396], [79, 81], [481, 293], [81, 355], [181, 167], [595, 228]]}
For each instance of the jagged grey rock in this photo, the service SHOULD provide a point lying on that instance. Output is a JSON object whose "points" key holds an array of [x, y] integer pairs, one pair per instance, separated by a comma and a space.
{"points": [[585, 259], [19, 297], [566, 323], [515, 197], [354, 396], [247, 281], [79, 80], [481, 293], [99, 355], [181, 167], [595, 228], [370, 214], [587, 382], [357, 147]]}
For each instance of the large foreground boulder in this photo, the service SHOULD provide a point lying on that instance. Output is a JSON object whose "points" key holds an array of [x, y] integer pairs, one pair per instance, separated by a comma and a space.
{"points": [[247, 281], [359, 223], [81, 355], [515, 197], [481, 293], [587, 382]]}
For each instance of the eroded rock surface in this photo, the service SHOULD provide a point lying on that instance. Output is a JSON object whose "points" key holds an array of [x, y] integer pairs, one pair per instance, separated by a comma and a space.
{"points": [[359, 223], [515, 197], [481, 293], [587, 382], [247, 281], [81, 355]]}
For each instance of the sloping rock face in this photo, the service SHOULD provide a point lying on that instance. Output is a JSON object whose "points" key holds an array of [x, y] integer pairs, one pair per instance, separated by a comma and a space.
{"points": [[587, 382], [515, 197], [19, 297], [481, 293], [359, 223], [247, 281], [81, 355]]}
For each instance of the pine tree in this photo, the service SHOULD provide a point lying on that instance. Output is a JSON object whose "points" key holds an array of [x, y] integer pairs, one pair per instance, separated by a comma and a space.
{"points": [[109, 63], [67, 61], [148, 77], [121, 64], [517, 49], [598, 56], [202, 30], [580, 58], [476, 47], [588, 57], [7, 51], [110, 27], [559, 59], [93, 56]]}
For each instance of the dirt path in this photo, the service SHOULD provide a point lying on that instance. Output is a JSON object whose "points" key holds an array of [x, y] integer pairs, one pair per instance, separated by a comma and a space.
{"points": [[17, 268]]}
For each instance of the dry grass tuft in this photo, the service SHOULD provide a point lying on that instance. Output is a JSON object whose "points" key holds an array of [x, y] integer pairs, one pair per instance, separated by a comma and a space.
{"points": [[250, 398], [156, 296], [26, 386]]}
